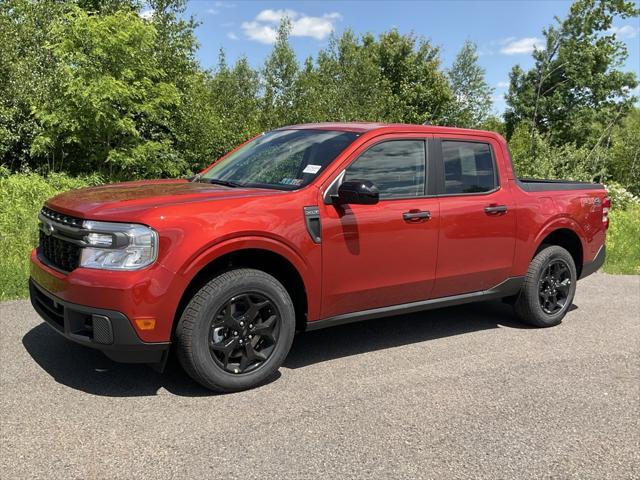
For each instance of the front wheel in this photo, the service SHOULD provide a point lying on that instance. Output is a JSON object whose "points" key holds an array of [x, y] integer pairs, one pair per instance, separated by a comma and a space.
{"points": [[548, 288], [236, 331]]}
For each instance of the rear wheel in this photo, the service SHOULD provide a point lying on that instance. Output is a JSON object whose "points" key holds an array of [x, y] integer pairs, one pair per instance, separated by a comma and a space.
{"points": [[548, 288], [236, 331]]}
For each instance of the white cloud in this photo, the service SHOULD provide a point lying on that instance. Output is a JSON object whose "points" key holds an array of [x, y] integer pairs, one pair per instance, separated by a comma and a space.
{"points": [[212, 11], [224, 5], [625, 31], [315, 27], [516, 46], [259, 32], [232, 36], [502, 84], [274, 16], [147, 14], [264, 27]]}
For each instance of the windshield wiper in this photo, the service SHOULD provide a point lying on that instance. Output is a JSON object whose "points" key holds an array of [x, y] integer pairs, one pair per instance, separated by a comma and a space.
{"points": [[226, 183]]}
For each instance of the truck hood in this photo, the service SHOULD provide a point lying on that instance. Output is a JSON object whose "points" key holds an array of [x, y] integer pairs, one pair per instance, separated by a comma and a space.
{"points": [[121, 198]]}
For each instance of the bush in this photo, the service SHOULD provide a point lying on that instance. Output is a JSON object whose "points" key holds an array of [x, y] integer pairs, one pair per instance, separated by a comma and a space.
{"points": [[621, 198], [535, 157], [21, 197]]}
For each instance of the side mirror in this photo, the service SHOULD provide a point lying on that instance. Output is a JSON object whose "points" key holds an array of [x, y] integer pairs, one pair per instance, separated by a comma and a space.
{"points": [[362, 192]]}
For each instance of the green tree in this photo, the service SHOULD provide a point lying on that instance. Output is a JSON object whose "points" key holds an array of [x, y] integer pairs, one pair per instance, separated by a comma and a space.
{"points": [[394, 78], [175, 40], [347, 84], [111, 106], [576, 91], [472, 103], [625, 153], [197, 123], [411, 67], [235, 101], [26, 74], [280, 75]]}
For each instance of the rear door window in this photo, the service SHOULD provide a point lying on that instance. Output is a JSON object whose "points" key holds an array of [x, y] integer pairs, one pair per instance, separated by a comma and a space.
{"points": [[468, 167]]}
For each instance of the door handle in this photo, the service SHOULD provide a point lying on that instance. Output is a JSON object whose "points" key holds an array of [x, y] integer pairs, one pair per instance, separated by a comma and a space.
{"points": [[495, 209], [415, 216]]}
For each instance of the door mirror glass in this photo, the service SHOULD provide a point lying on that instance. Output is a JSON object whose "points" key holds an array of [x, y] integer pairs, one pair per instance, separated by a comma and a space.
{"points": [[362, 192]]}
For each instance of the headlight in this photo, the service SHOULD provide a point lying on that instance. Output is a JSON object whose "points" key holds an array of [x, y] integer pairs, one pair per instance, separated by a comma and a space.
{"points": [[118, 246]]}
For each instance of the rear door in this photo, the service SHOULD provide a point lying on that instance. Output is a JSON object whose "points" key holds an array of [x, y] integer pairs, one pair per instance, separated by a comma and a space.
{"points": [[384, 254], [477, 217]]}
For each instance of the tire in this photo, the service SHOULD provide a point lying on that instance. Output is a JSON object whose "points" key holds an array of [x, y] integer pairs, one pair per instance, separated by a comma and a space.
{"points": [[219, 353], [545, 281]]}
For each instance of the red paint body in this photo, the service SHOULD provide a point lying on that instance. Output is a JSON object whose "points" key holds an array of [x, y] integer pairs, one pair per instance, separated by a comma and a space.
{"points": [[369, 257]]}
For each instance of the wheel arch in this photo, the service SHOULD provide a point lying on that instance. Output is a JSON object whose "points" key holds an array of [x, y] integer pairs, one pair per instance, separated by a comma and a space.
{"points": [[274, 261], [566, 237]]}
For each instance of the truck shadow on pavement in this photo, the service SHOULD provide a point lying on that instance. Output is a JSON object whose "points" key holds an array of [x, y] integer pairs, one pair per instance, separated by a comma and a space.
{"points": [[90, 371]]}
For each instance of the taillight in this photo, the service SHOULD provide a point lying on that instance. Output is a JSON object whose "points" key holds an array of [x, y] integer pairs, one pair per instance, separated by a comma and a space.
{"points": [[606, 205]]}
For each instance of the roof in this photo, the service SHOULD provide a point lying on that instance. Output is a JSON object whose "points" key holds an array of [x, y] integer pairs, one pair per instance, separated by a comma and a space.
{"points": [[362, 127], [359, 127]]}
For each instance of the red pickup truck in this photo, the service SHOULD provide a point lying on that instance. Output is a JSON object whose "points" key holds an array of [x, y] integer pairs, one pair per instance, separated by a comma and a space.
{"points": [[305, 227]]}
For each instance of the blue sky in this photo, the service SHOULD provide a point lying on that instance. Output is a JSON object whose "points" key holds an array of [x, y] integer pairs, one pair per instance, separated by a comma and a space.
{"points": [[505, 31]]}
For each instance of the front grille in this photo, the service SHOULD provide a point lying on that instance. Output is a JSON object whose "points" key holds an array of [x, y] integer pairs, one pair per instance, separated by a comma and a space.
{"points": [[59, 237], [59, 253]]}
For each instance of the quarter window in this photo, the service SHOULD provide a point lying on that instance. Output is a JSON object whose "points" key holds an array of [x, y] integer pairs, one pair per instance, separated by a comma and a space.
{"points": [[396, 167], [468, 167]]}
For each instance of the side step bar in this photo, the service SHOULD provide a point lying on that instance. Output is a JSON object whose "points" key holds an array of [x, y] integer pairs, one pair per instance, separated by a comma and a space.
{"points": [[509, 287]]}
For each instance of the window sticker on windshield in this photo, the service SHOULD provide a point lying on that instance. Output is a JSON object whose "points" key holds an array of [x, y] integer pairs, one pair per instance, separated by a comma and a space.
{"points": [[291, 181], [312, 169]]}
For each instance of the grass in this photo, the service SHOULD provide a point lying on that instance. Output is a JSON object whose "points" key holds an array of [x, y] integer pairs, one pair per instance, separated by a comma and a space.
{"points": [[22, 196], [623, 241]]}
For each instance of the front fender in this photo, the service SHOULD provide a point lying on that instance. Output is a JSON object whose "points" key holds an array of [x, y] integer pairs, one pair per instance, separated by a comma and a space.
{"points": [[307, 265], [244, 242]]}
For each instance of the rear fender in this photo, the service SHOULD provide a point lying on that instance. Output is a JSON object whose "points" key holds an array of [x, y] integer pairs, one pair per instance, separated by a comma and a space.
{"points": [[557, 223]]}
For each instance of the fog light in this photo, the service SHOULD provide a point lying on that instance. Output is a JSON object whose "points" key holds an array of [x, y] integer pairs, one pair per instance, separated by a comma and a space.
{"points": [[146, 323]]}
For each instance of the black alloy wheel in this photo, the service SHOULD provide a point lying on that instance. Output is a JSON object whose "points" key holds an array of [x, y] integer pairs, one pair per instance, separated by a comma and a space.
{"points": [[554, 286], [236, 330], [548, 287], [244, 332]]}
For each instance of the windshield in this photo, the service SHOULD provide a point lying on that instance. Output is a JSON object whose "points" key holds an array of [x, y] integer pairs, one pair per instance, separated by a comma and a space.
{"points": [[283, 159]]}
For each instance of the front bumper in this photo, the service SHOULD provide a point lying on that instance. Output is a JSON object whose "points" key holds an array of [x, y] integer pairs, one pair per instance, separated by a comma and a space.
{"points": [[107, 330], [150, 293]]}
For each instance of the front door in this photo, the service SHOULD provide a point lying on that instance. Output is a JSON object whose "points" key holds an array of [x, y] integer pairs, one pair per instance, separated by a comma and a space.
{"points": [[383, 254]]}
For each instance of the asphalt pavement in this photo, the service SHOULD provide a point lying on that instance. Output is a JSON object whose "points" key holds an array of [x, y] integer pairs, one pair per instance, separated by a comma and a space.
{"points": [[463, 392]]}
